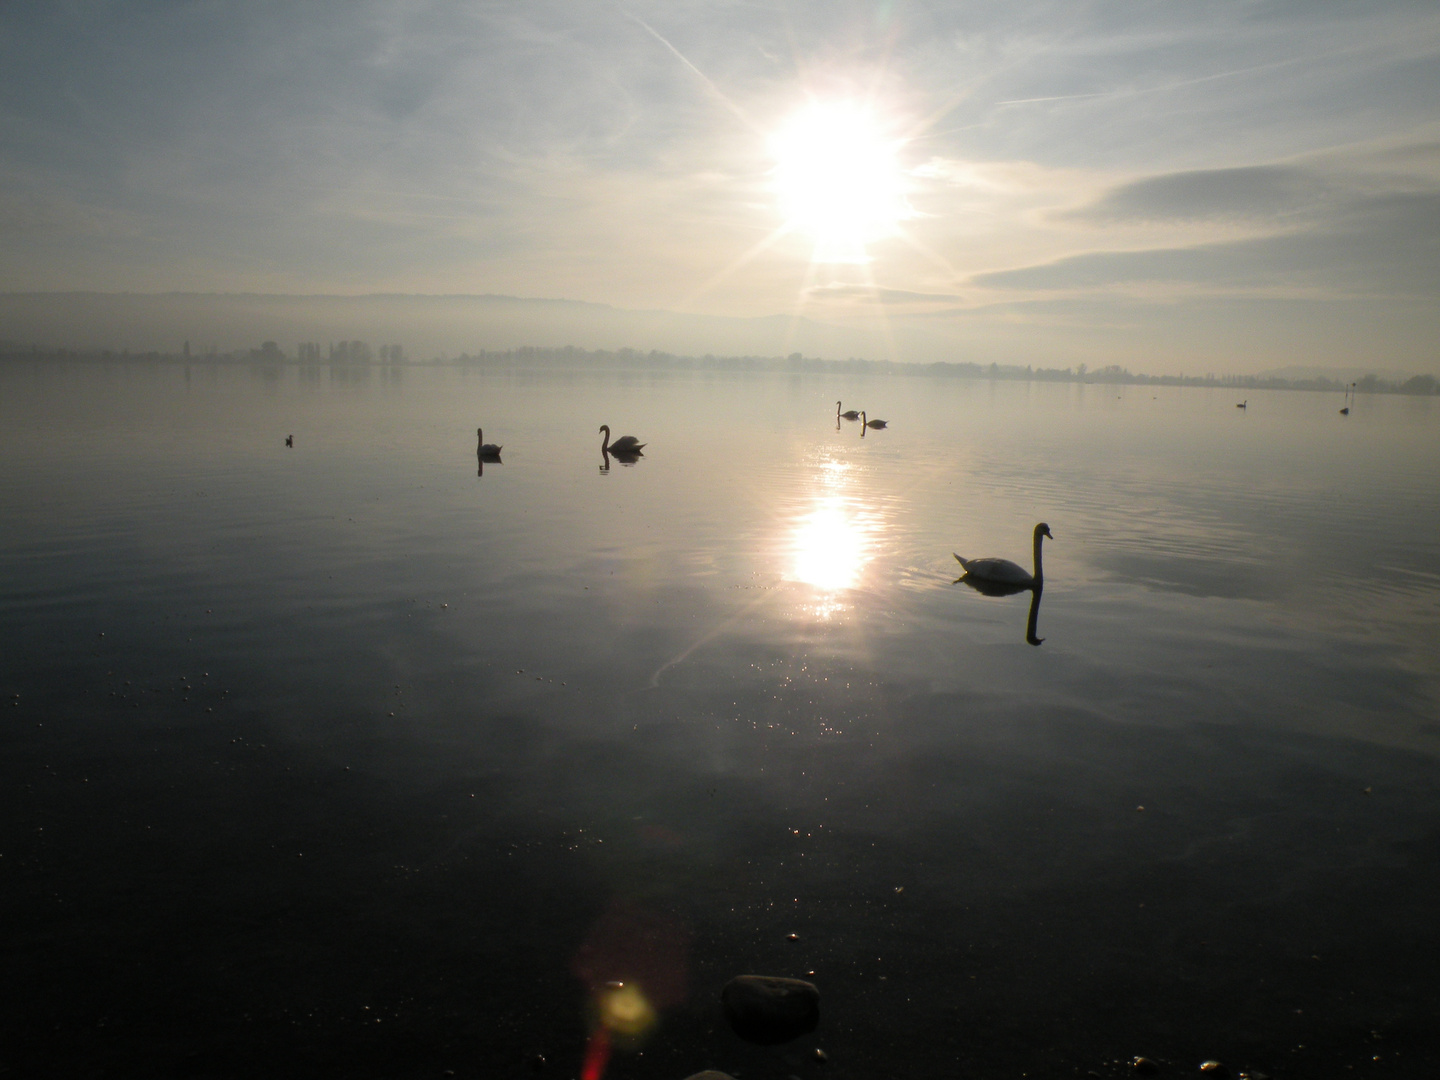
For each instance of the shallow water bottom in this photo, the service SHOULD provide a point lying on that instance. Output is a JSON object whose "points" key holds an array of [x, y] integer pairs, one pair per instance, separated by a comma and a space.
{"points": [[991, 895]]}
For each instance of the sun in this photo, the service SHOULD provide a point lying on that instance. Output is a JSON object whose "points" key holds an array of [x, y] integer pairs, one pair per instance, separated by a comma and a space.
{"points": [[838, 177]]}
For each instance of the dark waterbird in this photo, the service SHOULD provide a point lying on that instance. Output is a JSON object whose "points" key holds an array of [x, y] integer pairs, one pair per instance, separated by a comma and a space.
{"points": [[868, 423], [1003, 572], [848, 414], [626, 444], [486, 450]]}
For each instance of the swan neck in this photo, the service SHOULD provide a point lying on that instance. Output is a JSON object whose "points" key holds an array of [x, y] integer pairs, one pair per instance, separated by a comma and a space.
{"points": [[1039, 569]]}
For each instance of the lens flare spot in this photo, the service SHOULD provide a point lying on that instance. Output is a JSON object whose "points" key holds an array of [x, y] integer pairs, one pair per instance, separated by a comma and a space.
{"points": [[597, 1055], [624, 1010]]}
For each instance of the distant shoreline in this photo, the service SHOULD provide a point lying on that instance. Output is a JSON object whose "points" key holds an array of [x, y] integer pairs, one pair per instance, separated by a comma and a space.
{"points": [[571, 358]]}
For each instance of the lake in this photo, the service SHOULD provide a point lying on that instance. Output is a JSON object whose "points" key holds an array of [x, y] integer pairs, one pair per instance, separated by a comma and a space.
{"points": [[363, 757]]}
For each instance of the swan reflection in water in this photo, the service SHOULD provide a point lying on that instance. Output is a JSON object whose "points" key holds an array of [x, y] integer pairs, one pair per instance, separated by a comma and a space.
{"points": [[622, 456], [1001, 577], [995, 588]]}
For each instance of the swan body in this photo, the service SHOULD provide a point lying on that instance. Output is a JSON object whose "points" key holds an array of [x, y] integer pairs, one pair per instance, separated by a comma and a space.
{"points": [[1004, 572], [848, 414], [626, 444], [486, 449], [873, 423]]}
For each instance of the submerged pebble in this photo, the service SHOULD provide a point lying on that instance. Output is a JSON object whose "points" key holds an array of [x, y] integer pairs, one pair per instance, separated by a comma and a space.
{"points": [[767, 1010]]}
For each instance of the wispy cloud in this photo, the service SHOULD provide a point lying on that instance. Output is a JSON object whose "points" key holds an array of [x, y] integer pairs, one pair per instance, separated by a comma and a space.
{"points": [[1386, 245], [876, 295]]}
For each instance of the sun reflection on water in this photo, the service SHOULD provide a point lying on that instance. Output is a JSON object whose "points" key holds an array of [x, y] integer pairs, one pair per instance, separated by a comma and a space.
{"points": [[833, 540]]}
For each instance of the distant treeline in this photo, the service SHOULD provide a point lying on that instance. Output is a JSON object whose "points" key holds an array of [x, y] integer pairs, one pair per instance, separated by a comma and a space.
{"points": [[569, 357]]}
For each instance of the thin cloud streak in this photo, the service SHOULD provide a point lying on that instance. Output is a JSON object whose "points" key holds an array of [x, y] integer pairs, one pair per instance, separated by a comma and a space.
{"points": [[709, 83]]}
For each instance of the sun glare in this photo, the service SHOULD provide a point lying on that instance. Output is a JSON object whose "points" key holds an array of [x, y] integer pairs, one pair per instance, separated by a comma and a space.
{"points": [[833, 540], [838, 177]]}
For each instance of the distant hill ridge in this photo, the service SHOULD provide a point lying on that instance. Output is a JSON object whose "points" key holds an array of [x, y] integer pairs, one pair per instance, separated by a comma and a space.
{"points": [[495, 328], [351, 354]]}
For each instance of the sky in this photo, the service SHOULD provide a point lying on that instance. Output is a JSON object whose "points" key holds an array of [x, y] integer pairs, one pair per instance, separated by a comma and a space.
{"points": [[1196, 186]]}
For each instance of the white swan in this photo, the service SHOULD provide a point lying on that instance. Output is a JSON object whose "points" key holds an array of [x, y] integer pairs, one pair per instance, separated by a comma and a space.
{"points": [[626, 444], [873, 423], [1005, 572], [486, 450], [848, 414]]}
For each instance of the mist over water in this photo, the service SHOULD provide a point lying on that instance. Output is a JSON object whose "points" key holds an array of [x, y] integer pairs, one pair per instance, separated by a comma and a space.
{"points": [[301, 739]]}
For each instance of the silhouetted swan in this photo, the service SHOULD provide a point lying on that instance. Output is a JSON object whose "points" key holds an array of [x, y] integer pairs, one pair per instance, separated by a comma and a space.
{"points": [[873, 423], [487, 450], [1242, 404], [1003, 572], [848, 414], [626, 444], [289, 440]]}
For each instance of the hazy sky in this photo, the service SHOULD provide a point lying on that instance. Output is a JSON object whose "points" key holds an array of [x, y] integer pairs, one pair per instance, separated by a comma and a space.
{"points": [[1175, 185]]}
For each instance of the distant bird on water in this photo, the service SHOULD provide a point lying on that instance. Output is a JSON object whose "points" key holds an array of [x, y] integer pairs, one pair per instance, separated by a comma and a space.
{"points": [[1242, 404], [848, 414], [1005, 572], [873, 423], [626, 444], [487, 450], [289, 440]]}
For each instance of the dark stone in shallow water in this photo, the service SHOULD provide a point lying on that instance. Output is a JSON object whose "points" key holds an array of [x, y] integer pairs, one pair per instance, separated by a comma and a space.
{"points": [[767, 1010]]}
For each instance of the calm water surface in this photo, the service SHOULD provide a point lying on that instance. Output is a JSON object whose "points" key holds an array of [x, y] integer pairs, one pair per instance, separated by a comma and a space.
{"points": [[351, 758]]}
